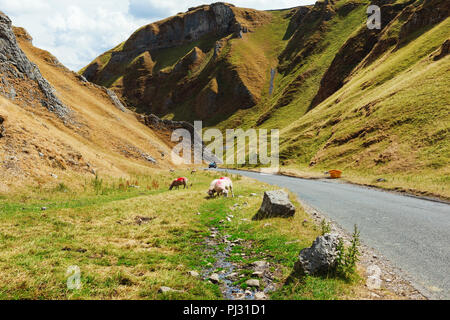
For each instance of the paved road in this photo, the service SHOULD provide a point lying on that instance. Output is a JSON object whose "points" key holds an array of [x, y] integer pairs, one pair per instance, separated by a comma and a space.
{"points": [[413, 233]]}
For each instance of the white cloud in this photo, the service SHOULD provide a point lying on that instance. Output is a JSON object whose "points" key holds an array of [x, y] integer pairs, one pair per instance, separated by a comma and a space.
{"points": [[78, 31]]}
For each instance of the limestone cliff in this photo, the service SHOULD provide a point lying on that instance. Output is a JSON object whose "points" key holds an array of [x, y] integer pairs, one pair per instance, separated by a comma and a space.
{"points": [[21, 78], [185, 52]]}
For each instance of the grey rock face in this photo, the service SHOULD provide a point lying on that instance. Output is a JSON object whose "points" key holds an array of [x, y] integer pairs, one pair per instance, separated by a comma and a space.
{"points": [[320, 258], [116, 100], [14, 64], [218, 18], [149, 158], [276, 204]]}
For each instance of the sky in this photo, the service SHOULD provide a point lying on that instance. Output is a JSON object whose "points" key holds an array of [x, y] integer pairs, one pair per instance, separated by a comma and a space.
{"points": [[77, 31]]}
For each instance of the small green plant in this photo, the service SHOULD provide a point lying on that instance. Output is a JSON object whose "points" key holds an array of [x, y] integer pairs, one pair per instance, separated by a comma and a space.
{"points": [[61, 188], [348, 257], [325, 227], [97, 184]]}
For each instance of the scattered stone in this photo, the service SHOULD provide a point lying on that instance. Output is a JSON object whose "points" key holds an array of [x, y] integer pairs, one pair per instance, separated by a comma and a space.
{"points": [[194, 274], [260, 265], [381, 180], [149, 158], [258, 274], [253, 283], [374, 295], [239, 296], [253, 195], [260, 296], [165, 290], [214, 278], [267, 225], [141, 220], [276, 204], [44, 208], [292, 242], [54, 176], [232, 276], [248, 293], [320, 258]]}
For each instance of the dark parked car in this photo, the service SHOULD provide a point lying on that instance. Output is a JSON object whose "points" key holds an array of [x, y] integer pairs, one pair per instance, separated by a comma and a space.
{"points": [[213, 165]]}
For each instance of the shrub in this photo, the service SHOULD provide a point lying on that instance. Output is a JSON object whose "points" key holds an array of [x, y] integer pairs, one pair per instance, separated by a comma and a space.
{"points": [[325, 226], [348, 257]]}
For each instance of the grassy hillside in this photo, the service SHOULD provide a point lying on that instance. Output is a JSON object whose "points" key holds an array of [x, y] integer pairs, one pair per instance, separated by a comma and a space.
{"points": [[391, 119]]}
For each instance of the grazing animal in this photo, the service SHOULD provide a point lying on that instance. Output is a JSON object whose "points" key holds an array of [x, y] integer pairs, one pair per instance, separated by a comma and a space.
{"points": [[222, 186], [193, 171], [179, 182]]}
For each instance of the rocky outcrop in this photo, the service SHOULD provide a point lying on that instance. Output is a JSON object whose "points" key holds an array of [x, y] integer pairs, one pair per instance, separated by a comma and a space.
{"points": [[20, 76], [371, 43], [116, 101], [275, 204], [180, 63], [190, 61], [218, 18], [429, 13], [308, 21], [352, 52], [412, 18], [2, 128], [444, 50], [320, 259]]}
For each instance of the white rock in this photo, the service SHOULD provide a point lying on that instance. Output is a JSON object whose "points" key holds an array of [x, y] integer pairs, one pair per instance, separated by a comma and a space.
{"points": [[260, 296], [194, 274], [166, 290], [253, 283], [214, 278]]}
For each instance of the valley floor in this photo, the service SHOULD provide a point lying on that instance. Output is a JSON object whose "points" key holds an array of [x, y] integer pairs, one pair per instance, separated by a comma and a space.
{"points": [[130, 238]]}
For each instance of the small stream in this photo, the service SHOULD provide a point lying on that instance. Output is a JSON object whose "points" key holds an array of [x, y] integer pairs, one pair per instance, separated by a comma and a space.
{"points": [[229, 271], [229, 290]]}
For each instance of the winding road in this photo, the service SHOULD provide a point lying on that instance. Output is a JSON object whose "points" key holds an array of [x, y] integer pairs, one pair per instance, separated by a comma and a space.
{"points": [[413, 233]]}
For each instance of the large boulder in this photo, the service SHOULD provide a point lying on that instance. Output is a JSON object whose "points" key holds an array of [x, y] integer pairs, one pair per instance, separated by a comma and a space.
{"points": [[319, 259], [276, 204]]}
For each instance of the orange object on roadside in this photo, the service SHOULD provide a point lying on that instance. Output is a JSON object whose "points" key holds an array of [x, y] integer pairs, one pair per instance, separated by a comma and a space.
{"points": [[335, 174]]}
